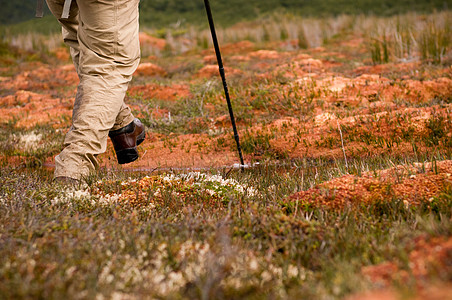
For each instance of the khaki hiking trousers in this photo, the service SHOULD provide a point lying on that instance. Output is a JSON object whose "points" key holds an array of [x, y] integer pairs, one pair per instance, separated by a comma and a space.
{"points": [[104, 45]]}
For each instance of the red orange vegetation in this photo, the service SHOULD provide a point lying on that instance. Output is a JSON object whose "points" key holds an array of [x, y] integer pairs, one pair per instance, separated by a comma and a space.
{"points": [[430, 255], [331, 105], [150, 69], [212, 70], [31, 109], [149, 40], [412, 184], [157, 91]]}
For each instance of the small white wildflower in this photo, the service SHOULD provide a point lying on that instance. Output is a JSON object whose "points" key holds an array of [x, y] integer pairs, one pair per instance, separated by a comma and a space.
{"points": [[59, 199], [266, 276], [193, 270], [159, 278], [252, 192], [272, 188], [31, 263], [70, 271], [275, 270], [254, 264], [210, 192], [107, 199], [79, 194], [176, 279], [235, 283], [292, 271], [203, 249], [122, 244], [120, 296], [100, 297], [161, 247], [109, 278], [148, 208], [406, 203], [30, 140], [170, 178]]}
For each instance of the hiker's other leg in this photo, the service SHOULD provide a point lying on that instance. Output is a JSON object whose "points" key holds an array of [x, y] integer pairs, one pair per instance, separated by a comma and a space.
{"points": [[69, 26], [109, 55]]}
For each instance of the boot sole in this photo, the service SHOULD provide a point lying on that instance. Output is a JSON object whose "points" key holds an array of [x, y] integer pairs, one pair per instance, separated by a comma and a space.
{"points": [[127, 155]]}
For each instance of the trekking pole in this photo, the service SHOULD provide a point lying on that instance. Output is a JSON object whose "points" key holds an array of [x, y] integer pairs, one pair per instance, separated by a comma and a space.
{"points": [[223, 78]]}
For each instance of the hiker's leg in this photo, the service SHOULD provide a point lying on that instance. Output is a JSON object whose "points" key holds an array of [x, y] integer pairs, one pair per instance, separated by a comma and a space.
{"points": [[69, 31], [123, 50], [109, 54]]}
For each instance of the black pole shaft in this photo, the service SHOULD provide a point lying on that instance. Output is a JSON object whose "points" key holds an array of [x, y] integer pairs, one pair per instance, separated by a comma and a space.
{"points": [[223, 78]]}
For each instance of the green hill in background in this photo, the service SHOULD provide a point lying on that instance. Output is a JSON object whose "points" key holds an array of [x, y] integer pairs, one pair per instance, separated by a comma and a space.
{"points": [[17, 11], [159, 13]]}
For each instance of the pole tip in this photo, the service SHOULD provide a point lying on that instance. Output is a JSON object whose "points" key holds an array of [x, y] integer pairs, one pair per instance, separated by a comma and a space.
{"points": [[245, 166]]}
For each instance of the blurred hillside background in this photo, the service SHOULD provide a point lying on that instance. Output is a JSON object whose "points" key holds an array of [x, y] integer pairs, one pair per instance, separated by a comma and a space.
{"points": [[161, 13]]}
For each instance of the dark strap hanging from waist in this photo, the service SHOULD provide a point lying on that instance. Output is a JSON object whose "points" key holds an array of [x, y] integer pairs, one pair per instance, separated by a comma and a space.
{"points": [[39, 8]]}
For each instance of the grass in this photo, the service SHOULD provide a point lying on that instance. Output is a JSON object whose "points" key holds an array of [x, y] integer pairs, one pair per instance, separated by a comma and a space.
{"points": [[31, 147], [435, 41], [56, 242], [405, 39], [379, 51], [397, 38]]}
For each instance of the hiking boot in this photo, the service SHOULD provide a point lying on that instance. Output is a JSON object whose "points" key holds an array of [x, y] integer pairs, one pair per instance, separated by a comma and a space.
{"points": [[126, 139]]}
